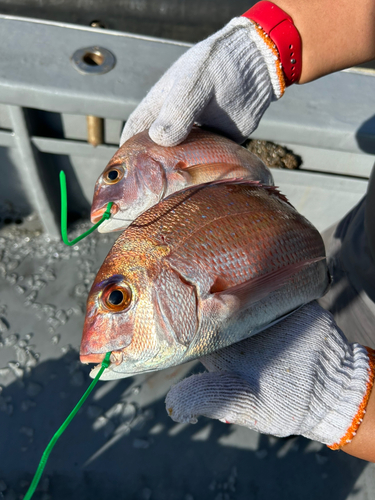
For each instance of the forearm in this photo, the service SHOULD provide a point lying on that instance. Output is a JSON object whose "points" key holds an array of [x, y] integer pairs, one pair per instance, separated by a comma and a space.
{"points": [[335, 34], [363, 444]]}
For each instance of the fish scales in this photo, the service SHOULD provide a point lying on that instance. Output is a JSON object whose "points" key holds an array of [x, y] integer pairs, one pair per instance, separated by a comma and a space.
{"points": [[230, 222], [201, 283]]}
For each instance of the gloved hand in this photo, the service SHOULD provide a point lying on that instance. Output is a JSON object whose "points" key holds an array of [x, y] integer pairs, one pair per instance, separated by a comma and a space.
{"points": [[300, 376], [225, 82]]}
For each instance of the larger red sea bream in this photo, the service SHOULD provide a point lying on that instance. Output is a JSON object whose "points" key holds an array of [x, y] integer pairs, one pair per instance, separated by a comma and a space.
{"points": [[203, 269]]}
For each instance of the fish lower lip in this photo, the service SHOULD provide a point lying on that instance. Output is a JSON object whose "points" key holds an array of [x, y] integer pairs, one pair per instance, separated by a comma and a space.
{"points": [[96, 215], [92, 358]]}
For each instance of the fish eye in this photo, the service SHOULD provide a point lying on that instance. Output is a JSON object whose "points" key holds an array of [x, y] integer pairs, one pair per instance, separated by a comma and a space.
{"points": [[117, 297], [113, 175]]}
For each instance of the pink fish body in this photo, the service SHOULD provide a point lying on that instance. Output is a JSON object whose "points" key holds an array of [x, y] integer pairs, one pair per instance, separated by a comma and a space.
{"points": [[205, 268], [142, 173]]}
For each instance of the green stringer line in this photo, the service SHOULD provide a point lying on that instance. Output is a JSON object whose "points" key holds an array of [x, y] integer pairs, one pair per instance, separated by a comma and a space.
{"points": [[51, 444], [64, 216]]}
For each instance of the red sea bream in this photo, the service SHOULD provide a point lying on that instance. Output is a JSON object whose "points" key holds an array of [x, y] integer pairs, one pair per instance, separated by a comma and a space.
{"points": [[141, 173], [203, 269]]}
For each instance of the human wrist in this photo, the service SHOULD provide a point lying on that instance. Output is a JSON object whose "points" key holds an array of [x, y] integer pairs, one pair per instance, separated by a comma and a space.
{"points": [[343, 381], [334, 37], [363, 444], [268, 51], [277, 27]]}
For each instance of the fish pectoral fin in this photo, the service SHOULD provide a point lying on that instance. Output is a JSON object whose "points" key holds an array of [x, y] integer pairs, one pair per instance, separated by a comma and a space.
{"points": [[210, 172], [258, 288]]}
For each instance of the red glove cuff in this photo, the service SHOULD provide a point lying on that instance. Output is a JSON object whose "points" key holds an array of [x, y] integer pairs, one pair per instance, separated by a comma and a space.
{"points": [[279, 26]]}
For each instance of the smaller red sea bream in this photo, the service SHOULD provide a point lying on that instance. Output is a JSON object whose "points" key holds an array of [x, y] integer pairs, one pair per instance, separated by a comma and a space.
{"points": [[203, 269], [142, 173]]}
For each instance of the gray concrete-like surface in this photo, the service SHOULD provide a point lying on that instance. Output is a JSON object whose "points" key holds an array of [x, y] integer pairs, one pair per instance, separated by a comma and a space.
{"points": [[122, 443]]}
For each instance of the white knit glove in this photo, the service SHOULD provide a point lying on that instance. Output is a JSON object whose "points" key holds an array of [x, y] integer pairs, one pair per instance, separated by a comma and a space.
{"points": [[300, 376], [225, 82]]}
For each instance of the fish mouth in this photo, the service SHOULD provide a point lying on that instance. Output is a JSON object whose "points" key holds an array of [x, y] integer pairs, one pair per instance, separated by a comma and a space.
{"points": [[118, 222], [97, 214], [116, 357], [92, 358]]}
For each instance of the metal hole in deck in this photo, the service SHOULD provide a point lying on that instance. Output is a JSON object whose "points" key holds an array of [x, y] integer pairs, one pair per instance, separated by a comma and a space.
{"points": [[93, 60]]}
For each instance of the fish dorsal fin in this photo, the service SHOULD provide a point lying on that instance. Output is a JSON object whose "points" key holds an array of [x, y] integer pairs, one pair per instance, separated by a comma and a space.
{"points": [[258, 288]]}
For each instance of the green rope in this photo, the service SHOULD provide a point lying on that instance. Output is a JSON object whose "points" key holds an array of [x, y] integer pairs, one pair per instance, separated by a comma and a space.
{"points": [[51, 444], [64, 210]]}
